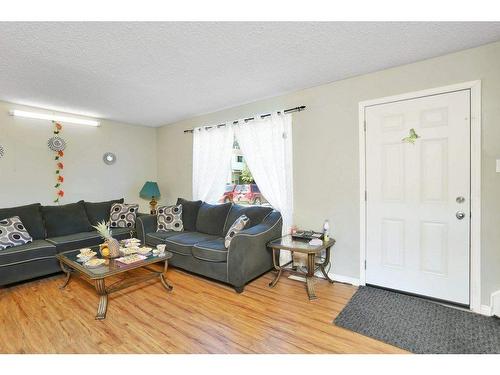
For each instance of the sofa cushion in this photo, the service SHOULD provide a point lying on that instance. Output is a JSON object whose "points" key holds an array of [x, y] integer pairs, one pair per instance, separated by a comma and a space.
{"points": [[122, 233], [123, 215], [85, 239], [158, 238], [189, 213], [212, 218], [36, 250], [210, 251], [169, 218], [66, 219], [75, 241], [255, 213], [182, 243], [13, 233], [30, 215], [99, 211]]}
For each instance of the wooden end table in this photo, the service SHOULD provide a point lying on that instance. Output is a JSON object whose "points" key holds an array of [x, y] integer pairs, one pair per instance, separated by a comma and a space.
{"points": [[301, 246], [70, 264]]}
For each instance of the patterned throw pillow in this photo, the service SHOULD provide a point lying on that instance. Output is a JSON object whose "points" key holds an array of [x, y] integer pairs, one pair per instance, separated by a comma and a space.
{"points": [[13, 233], [123, 215], [169, 218], [238, 225]]}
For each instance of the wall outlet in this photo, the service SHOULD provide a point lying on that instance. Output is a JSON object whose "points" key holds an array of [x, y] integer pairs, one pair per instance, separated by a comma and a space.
{"points": [[498, 165]]}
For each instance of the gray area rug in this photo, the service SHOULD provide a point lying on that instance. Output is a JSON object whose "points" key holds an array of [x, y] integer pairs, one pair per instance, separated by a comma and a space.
{"points": [[418, 325]]}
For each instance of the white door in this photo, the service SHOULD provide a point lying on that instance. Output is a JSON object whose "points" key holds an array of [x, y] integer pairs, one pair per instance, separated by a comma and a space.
{"points": [[418, 196]]}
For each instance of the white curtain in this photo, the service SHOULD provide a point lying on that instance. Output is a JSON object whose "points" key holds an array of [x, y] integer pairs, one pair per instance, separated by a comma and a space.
{"points": [[212, 150], [267, 147]]}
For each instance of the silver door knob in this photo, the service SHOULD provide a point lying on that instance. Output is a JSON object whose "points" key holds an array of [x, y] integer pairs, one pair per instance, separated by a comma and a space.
{"points": [[460, 215]]}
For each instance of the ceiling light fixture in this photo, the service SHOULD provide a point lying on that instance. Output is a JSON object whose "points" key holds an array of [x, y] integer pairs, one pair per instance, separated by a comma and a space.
{"points": [[44, 116]]}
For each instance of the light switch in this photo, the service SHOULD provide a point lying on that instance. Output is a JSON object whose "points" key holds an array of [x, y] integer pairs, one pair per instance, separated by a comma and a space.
{"points": [[498, 165]]}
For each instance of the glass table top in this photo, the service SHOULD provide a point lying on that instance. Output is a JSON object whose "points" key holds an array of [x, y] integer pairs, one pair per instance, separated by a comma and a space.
{"points": [[288, 243], [111, 267]]}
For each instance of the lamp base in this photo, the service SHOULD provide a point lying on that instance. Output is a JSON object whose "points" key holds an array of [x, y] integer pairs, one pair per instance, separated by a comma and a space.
{"points": [[153, 205]]}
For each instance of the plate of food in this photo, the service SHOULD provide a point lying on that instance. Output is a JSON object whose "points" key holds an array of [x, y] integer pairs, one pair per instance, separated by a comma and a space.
{"points": [[129, 259], [86, 256], [131, 242], [94, 263], [144, 250], [128, 250]]}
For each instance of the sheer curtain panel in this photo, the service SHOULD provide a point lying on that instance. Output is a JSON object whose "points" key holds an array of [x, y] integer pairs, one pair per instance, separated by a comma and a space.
{"points": [[267, 147], [212, 151]]}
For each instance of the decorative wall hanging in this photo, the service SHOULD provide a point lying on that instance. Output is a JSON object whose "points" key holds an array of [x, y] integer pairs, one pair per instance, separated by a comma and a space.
{"points": [[109, 158], [2, 151], [58, 145], [412, 137]]}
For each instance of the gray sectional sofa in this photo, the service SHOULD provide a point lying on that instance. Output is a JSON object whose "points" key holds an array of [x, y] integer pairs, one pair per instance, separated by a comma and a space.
{"points": [[200, 249], [54, 229]]}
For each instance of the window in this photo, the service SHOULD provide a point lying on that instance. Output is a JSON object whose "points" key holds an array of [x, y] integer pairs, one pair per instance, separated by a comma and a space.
{"points": [[240, 187]]}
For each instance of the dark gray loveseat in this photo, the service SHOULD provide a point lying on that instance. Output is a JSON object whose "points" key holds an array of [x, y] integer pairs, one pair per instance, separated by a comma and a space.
{"points": [[200, 247], [54, 229]]}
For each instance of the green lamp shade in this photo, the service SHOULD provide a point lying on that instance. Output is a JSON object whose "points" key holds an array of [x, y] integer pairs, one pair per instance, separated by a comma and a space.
{"points": [[150, 190]]}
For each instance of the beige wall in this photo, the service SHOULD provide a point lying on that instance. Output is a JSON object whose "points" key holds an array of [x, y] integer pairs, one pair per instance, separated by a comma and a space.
{"points": [[27, 171], [326, 161]]}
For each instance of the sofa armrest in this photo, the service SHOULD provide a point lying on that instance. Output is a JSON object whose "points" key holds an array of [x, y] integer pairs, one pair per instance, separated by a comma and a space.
{"points": [[145, 224], [248, 255]]}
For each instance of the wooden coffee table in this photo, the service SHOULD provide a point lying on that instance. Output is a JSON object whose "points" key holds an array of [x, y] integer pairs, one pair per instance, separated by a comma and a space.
{"points": [[301, 246], [97, 276]]}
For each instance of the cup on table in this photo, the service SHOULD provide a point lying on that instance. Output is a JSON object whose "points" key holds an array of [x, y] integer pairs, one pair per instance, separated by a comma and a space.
{"points": [[160, 248]]}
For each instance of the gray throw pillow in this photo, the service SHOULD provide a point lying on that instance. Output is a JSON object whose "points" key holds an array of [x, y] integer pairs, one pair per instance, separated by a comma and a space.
{"points": [[13, 233], [237, 227], [169, 218], [123, 215]]}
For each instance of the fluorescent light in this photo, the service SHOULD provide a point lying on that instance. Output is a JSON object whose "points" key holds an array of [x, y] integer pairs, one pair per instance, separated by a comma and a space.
{"points": [[44, 116]]}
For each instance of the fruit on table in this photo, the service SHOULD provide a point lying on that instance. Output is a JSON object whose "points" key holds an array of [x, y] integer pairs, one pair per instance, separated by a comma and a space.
{"points": [[105, 251]]}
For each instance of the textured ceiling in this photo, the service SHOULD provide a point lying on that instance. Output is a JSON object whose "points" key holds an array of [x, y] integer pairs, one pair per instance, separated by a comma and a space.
{"points": [[157, 73]]}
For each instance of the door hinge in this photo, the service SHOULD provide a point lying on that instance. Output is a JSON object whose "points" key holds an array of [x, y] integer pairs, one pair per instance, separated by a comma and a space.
{"points": [[365, 264], [364, 125], [366, 195]]}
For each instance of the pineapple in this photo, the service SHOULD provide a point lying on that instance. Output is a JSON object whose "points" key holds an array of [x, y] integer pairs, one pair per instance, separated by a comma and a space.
{"points": [[113, 245]]}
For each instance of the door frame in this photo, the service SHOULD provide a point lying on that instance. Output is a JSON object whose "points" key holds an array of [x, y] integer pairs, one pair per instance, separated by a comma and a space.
{"points": [[475, 176]]}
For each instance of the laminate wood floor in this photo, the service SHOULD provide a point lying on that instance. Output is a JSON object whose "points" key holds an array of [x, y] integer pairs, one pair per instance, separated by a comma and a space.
{"points": [[198, 316]]}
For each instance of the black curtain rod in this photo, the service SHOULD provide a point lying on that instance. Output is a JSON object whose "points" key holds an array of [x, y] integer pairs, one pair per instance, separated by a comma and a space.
{"points": [[296, 109]]}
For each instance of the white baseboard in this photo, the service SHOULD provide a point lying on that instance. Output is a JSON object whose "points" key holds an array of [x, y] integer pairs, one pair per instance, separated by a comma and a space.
{"points": [[341, 278], [344, 279], [485, 310]]}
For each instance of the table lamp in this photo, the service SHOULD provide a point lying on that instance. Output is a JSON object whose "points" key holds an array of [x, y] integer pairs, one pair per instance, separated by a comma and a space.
{"points": [[151, 191]]}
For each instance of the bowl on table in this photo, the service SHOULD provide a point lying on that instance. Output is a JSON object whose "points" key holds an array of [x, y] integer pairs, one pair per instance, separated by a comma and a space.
{"points": [[144, 250]]}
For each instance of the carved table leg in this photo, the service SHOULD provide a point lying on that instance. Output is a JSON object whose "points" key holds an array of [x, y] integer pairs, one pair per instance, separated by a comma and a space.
{"points": [[276, 278], [103, 299], [67, 271], [311, 264], [276, 267], [163, 278], [325, 264]]}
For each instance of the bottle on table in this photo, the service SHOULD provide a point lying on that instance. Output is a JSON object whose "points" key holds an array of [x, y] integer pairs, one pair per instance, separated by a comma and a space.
{"points": [[326, 231]]}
